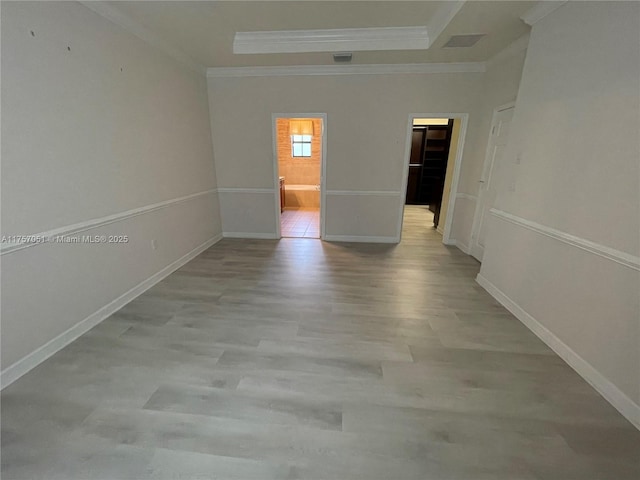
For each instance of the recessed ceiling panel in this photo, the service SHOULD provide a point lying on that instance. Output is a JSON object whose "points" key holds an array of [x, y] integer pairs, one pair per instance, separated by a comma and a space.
{"points": [[205, 30], [332, 40]]}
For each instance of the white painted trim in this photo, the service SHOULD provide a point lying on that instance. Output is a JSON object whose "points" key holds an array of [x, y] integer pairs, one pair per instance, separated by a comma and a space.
{"points": [[405, 173], [114, 15], [302, 188], [371, 193], [260, 235], [359, 239], [467, 196], [331, 40], [541, 10], [442, 18], [323, 177], [99, 222], [245, 190], [475, 225], [32, 360], [462, 246], [372, 69], [621, 402], [457, 167], [609, 253], [276, 175], [519, 45], [323, 165]]}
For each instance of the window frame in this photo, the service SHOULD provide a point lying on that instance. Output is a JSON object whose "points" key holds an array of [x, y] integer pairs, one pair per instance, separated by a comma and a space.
{"points": [[302, 142]]}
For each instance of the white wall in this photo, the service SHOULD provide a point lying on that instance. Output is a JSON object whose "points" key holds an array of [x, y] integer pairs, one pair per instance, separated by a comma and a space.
{"points": [[499, 86], [367, 121], [565, 256], [108, 126]]}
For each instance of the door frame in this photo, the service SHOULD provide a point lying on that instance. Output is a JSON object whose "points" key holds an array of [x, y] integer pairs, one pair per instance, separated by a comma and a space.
{"points": [[475, 226], [323, 165], [448, 221]]}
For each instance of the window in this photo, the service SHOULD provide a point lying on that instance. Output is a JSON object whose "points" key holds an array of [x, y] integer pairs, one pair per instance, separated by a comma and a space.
{"points": [[300, 145]]}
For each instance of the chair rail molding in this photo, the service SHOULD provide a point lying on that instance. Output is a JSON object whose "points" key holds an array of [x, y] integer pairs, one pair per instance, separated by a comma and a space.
{"points": [[609, 253], [41, 238], [244, 190], [467, 196]]}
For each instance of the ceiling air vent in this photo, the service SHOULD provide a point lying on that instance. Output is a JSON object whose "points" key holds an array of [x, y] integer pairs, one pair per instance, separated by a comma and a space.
{"points": [[463, 41], [342, 57]]}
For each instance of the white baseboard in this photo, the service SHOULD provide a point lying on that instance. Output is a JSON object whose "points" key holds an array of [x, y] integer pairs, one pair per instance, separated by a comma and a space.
{"points": [[32, 360], [621, 402], [359, 239], [265, 236], [463, 246]]}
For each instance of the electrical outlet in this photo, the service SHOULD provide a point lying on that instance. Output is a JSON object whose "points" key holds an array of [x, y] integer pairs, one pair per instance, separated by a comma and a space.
{"points": [[154, 244]]}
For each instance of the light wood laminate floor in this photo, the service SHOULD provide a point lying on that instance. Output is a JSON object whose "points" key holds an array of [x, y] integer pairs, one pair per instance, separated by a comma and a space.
{"points": [[298, 359]]}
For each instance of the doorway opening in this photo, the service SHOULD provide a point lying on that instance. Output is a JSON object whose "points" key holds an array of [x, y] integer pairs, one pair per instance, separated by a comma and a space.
{"points": [[493, 168], [430, 145], [432, 166], [299, 165]]}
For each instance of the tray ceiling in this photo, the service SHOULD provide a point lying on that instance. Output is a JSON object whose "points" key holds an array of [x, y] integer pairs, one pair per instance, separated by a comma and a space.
{"points": [[205, 30]]}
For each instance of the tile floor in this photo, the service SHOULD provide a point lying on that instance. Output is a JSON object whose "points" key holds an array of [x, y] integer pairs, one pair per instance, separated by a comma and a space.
{"points": [[300, 223]]}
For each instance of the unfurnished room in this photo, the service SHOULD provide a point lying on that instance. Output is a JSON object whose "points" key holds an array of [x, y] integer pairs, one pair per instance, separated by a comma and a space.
{"points": [[320, 240]]}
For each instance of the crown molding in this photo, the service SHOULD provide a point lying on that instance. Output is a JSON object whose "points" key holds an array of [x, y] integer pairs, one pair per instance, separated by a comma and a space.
{"points": [[116, 16], [334, 40], [541, 10], [348, 39], [519, 45], [380, 69], [364, 193], [441, 19]]}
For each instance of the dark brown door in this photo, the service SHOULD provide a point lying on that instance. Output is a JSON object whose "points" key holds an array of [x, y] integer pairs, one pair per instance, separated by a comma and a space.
{"points": [[434, 167], [415, 164], [428, 166]]}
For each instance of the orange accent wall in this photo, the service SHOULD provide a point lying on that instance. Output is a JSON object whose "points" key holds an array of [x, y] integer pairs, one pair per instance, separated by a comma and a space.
{"points": [[299, 171]]}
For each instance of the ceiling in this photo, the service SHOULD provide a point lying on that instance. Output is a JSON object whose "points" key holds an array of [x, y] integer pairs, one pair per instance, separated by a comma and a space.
{"points": [[204, 30]]}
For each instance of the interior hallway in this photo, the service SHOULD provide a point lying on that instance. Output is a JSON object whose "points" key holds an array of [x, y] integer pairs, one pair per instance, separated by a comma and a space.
{"points": [[298, 359]]}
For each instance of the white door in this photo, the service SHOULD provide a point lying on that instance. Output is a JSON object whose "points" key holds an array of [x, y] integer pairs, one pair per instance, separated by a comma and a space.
{"points": [[487, 191]]}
